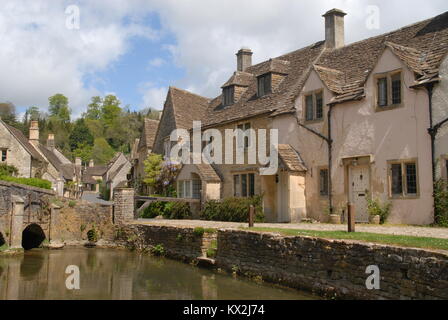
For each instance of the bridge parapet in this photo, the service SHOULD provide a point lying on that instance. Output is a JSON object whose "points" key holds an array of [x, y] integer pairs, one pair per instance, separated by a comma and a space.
{"points": [[124, 206]]}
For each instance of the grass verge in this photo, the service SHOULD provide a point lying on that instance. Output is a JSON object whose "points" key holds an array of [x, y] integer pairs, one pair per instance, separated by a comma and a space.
{"points": [[404, 241]]}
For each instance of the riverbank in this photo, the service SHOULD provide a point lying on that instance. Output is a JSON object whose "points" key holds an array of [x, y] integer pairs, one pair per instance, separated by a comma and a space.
{"points": [[328, 268]]}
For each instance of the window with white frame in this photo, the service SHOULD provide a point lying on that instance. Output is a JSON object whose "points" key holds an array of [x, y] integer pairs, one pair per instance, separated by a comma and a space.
{"points": [[189, 189]]}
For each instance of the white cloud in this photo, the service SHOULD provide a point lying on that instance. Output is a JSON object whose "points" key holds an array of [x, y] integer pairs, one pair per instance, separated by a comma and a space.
{"points": [[153, 95], [156, 63]]}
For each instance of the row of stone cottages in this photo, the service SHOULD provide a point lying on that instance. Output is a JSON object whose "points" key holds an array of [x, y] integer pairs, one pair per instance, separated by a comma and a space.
{"points": [[358, 121], [36, 159]]}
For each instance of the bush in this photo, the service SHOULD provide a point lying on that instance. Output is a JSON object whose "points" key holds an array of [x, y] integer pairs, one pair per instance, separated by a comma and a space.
{"points": [[104, 192], [158, 250], [6, 170], [441, 203], [233, 209], [33, 182], [375, 208], [154, 210], [72, 204], [92, 235], [177, 210]]}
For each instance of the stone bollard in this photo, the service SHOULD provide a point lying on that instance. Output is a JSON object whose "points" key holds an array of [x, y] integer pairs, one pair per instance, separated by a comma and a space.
{"points": [[124, 207], [18, 205]]}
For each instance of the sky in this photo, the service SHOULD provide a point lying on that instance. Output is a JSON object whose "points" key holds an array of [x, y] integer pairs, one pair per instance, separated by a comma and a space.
{"points": [[136, 49]]}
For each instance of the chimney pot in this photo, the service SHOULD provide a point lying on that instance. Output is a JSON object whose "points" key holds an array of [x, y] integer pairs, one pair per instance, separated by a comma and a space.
{"points": [[334, 29], [91, 163], [50, 141], [244, 59], [78, 162]]}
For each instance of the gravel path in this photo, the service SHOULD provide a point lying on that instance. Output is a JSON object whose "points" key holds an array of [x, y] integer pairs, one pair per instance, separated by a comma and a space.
{"points": [[394, 230], [94, 198]]}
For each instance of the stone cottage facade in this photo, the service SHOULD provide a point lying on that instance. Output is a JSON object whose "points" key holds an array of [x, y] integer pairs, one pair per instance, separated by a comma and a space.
{"points": [[355, 122]]}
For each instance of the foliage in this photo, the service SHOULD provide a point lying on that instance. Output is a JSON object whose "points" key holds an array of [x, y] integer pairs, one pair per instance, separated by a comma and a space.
{"points": [[153, 168], [102, 152], [177, 211], [233, 209], [154, 210], [8, 113], [72, 204], [212, 250], [375, 208], [104, 192], [441, 203], [33, 182], [92, 235], [158, 250], [58, 108], [80, 135], [8, 170], [199, 231]]}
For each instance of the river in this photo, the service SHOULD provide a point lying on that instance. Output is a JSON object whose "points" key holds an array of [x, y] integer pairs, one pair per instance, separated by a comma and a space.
{"points": [[106, 274]]}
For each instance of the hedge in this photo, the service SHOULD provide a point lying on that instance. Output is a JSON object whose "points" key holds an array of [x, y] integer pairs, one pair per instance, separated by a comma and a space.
{"points": [[169, 210], [33, 182], [233, 209]]}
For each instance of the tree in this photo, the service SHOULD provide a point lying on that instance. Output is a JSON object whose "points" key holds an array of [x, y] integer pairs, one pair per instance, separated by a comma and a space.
{"points": [[58, 108], [153, 169], [94, 109], [80, 135], [8, 113], [160, 175], [84, 151], [32, 114], [102, 152], [110, 110]]}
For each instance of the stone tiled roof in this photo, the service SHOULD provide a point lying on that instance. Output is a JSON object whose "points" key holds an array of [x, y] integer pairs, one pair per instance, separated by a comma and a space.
{"points": [[207, 173], [66, 169], [275, 66], [240, 78], [291, 158], [188, 107], [24, 142], [96, 171], [148, 134]]}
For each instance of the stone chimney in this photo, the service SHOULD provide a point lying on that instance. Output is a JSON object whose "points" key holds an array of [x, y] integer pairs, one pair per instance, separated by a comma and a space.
{"points": [[334, 29], [78, 162], [91, 163], [34, 131], [50, 141], [244, 59]]}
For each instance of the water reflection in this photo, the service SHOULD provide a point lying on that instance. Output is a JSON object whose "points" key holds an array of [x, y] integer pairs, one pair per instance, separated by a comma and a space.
{"points": [[122, 275]]}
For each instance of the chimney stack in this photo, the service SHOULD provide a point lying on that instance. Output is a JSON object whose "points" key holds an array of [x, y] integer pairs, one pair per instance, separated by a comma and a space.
{"points": [[334, 29], [50, 141], [244, 59], [78, 162], [91, 164], [34, 131]]}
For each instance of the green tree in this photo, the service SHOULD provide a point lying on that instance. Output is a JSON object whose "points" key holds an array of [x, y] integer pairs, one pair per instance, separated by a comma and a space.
{"points": [[94, 109], [110, 110], [58, 108], [80, 135], [102, 152], [153, 169], [84, 151], [8, 113], [32, 114]]}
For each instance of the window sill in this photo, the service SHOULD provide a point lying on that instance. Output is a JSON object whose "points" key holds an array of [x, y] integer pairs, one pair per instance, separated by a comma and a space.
{"points": [[407, 197], [314, 121], [388, 108]]}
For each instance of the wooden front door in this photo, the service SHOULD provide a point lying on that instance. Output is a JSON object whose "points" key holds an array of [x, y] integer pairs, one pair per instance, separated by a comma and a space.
{"points": [[359, 183]]}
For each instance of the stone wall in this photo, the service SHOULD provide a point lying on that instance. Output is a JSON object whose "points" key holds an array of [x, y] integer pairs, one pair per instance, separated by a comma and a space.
{"points": [[330, 268], [335, 268]]}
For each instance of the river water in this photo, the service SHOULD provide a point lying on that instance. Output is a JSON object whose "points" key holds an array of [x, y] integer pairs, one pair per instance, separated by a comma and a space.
{"points": [[119, 274]]}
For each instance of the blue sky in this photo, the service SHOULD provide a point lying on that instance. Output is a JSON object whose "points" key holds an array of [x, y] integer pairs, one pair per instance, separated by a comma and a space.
{"points": [[137, 49]]}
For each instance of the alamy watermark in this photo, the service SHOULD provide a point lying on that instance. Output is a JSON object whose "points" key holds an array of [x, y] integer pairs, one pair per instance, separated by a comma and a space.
{"points": [[373, 280], [238, 144], [73, 20], [73, 280]]}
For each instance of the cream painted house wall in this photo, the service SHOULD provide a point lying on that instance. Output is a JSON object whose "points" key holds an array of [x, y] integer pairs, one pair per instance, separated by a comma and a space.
{"points": [[358, 130], [210, 190], [440, 113], [16, 153]]}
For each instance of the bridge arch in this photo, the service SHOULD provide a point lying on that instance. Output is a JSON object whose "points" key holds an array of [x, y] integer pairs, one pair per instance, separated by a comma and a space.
{"points": [[32, 236], [2, 240]]}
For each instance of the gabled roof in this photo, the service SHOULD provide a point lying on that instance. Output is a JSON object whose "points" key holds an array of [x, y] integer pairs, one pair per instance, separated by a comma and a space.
{"points": [[148, 134], [188, 107], [20, 137], [291, 158], [95, 171], [66, 169], [239, 78], [207, 173]]}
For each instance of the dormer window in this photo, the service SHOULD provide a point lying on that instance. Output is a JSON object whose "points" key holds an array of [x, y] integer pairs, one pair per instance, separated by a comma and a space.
{"points": [[264, 84], [228, 94], [389, 91]]}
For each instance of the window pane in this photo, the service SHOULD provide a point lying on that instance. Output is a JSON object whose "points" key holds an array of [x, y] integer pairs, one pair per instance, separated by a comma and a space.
{"points": [[309, 110], [382, 92], [251, 185], [397, 179], [267, 83], [411, 178], [196, 189], [236, 186], [323, 185], [228, 94], [396, 88], [244, 185], [180, 190], [319, 106], [261, 87], [4, 155]]}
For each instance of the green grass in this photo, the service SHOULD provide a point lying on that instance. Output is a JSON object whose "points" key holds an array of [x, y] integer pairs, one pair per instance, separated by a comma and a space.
{"points": [[33, 182], [404, 241]]}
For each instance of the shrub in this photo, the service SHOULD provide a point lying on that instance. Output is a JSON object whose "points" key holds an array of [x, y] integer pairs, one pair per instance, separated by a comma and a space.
{"points": [[7, 170], [375, 208], [158, 250], [233, 209], [72, 204], [92, 235], [178, 210], [33, 182], [154, 210], [441, 203], [199, 231], [104, 192]]}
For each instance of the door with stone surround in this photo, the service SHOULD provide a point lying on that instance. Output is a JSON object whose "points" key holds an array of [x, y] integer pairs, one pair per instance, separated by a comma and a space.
{"points": [[359, 185]]}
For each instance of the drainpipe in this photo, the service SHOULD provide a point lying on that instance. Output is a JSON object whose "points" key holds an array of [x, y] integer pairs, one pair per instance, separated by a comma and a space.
{"points": [[330, 159], [432, 132]]}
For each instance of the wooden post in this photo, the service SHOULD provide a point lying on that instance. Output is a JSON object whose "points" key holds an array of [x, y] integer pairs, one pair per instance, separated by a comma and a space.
{"points": [[251, 216], [351, 217]]}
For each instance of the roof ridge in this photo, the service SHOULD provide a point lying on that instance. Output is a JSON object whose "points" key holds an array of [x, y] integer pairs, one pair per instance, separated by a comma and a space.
{"points": [[189, 92]]}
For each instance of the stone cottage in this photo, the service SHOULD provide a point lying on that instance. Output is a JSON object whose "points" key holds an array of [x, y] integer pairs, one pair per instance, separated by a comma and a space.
{"points": [[359, 121]]}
